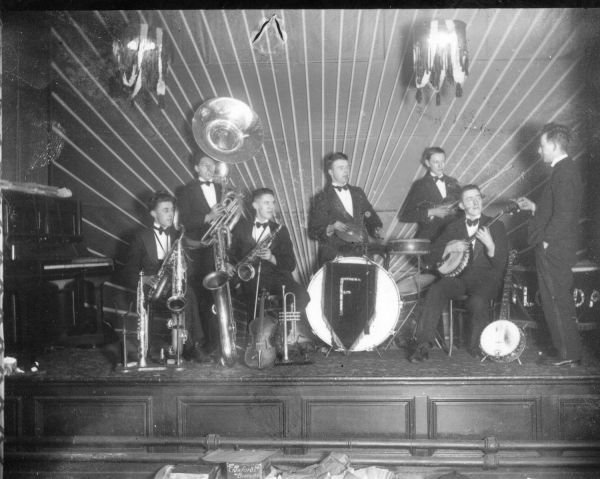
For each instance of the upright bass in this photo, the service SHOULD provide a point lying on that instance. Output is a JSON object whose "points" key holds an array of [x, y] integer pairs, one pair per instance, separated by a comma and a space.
{"points": [[261, 353]]}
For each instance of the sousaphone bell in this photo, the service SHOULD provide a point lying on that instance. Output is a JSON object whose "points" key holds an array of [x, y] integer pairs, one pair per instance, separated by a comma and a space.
{"points": [[228, 130]]}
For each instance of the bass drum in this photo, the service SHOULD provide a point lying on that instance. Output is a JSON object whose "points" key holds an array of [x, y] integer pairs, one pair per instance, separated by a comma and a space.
{"points": [[387, 308], [502, 341]]}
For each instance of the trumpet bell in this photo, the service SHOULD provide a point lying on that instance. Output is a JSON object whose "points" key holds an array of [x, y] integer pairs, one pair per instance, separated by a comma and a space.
{"points": [[227, 129]]}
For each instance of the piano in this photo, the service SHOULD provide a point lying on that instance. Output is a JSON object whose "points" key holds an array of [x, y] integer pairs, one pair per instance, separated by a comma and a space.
{"points": [[46, 261]]}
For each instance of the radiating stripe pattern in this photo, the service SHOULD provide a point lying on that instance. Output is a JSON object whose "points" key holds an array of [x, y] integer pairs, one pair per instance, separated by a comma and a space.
{"points": [[341, 80]]}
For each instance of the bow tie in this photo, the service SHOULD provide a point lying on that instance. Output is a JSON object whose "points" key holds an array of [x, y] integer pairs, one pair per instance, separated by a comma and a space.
{"points": [[207, 183], [340, 188], [438, 178], [472, 222], [162, 230], [261, 225]]}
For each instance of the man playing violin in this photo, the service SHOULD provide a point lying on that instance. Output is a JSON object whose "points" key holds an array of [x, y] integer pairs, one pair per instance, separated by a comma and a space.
{"points": [[431, 200], [199, 205], [480, 280], [277, 261], [341, 210]]}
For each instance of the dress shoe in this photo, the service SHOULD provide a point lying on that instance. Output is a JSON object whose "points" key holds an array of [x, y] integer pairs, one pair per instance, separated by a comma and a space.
{"points": [[420, 354], [567, 363]]}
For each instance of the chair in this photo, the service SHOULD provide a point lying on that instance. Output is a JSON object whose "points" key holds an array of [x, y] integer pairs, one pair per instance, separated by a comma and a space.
{"points": [[460, 312]]}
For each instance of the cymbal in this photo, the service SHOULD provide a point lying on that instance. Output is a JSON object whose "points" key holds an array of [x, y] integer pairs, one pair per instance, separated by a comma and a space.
{"points": [[227, 129]]}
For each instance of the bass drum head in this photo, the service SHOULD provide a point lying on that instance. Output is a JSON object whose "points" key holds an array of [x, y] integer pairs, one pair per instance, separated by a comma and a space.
{"points": [[387, 308], [502, 341]]}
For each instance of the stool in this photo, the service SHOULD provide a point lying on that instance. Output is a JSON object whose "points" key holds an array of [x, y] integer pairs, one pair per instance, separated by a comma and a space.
{"points": [[460, 321]]}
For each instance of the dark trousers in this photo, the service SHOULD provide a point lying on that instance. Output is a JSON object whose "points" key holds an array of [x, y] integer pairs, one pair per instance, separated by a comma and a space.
{"points": [[479, 286], [555, 279], [204, 263]]}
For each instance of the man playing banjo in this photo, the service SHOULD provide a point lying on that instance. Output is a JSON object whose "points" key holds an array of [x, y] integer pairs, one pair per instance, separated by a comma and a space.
{"points": [[480, 280]]}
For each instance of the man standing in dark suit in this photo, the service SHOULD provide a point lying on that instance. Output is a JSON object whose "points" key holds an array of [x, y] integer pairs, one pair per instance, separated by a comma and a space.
{"points": [[428, 201], [147, 252], [341, 208], [199, 205], [480, 280], [553, 231], [277, 261]]}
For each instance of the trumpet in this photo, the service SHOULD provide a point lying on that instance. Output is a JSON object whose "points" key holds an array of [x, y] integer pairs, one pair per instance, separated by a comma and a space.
{"points": [[245, 268], [284, 317]]}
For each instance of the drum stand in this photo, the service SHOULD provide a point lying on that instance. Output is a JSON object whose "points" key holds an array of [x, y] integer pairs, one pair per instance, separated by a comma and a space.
{"points": [[417, 302]]}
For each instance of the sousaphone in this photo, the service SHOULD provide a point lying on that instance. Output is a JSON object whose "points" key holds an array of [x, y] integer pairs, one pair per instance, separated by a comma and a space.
{"points": [[228, 130]]}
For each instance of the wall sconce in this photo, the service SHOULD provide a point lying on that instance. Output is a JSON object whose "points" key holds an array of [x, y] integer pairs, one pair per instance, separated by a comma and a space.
{"points": [[440, 54], [142, 60]]}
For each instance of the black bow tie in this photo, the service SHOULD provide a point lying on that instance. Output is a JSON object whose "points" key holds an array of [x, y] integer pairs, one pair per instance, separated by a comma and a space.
{"points": [[472, 222], [162, 230], [207, 183], [262, 225], [340, 188], [438, 178]]}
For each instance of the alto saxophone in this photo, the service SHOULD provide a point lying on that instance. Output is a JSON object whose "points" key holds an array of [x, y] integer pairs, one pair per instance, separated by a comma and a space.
{"points": [[245, 268], [142, 323]]}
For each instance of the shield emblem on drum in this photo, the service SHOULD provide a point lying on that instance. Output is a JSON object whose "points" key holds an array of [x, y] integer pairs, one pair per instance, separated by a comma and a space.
{"points": [[348, 299]]}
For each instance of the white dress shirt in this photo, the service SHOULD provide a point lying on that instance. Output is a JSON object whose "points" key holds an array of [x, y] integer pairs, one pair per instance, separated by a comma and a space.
{"points": [[260, 233], [441, 185], [346, 199], [471, 230], [209, 193], [162, 242]]}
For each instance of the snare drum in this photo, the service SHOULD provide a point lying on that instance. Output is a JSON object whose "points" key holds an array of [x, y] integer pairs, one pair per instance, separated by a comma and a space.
{"points": [[502, 341], [408, 289], [412, 246], [387, 310]]}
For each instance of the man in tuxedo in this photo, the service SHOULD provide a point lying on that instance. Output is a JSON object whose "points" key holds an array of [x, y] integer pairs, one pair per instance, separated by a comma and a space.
{"points": [[199, 205], [148, 250], [480, 280], [428, 201], [553, 231], [277, 262], [340, 208]]}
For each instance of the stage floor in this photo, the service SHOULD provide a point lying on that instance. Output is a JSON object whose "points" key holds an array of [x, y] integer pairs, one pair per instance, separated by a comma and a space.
{"points": [[98, 364]]}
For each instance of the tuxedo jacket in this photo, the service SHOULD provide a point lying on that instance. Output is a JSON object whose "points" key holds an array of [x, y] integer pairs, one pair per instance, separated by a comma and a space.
{"points": [[423, 195], [142, 256], [328, 208], [556, 218], [193, 209], [481, 262], [242, 242]]}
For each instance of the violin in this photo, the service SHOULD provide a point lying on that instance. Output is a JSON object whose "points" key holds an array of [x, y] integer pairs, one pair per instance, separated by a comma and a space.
{"points": [[261, 354]]}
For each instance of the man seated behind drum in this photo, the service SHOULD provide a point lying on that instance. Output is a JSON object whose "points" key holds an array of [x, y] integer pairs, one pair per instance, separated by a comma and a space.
{"points": [[429, 199], [340, 207], [277, 260], [480, 280], [147, 252]]}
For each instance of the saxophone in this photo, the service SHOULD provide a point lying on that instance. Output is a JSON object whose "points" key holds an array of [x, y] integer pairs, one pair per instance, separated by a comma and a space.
{"points": [[245, 268], [218, 283], [142, 323]]}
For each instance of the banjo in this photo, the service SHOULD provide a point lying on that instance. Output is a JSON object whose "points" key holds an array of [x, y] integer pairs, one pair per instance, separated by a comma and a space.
{"points": [[454, 263]]}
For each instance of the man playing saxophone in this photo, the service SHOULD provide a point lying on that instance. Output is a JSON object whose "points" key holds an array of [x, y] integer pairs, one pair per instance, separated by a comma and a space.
{"points": [[147, 252], [277, 260], [199, 205]]}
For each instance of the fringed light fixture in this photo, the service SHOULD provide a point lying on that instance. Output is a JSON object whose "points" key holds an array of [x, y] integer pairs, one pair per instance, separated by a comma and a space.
{"points": [[440, 54], [142, 60]]}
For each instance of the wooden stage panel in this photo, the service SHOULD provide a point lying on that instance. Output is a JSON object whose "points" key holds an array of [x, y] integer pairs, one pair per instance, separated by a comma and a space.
{"points": [[358, 417], [93, 416], [228, 416], [511, 418], [579, 418], [13, 416]]}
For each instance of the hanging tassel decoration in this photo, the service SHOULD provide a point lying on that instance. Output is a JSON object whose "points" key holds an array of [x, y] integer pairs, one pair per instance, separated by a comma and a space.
{"points": [[458, 91], [419, 95], [437, 99], [160, 85]]}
